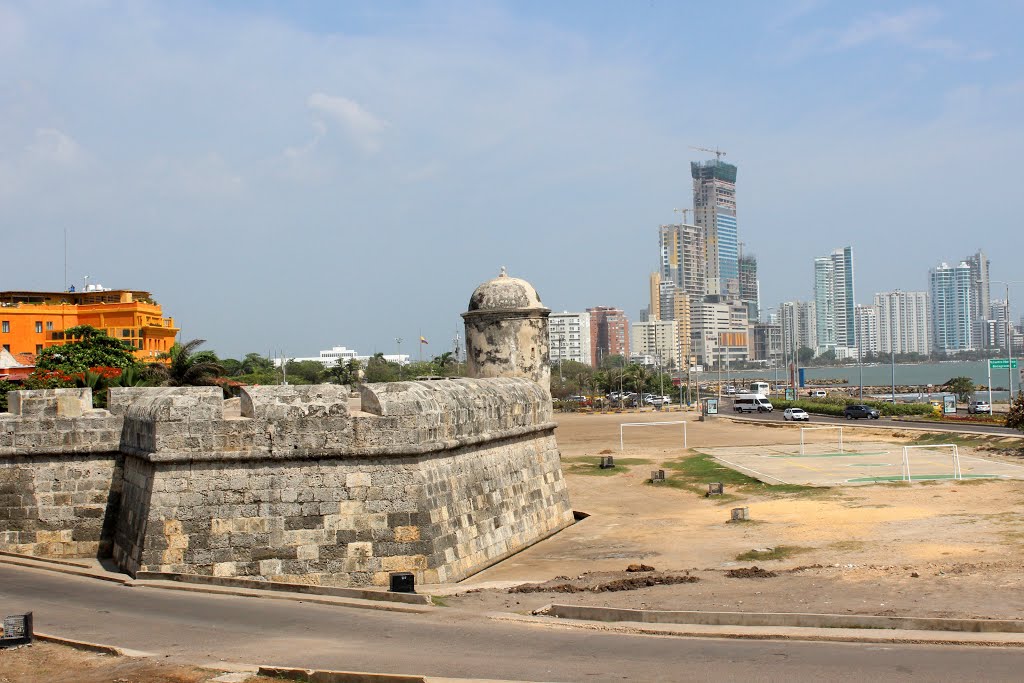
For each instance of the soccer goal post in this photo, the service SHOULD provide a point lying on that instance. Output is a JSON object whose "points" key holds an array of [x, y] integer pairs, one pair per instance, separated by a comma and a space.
{"points": [[905, 472], [623, 425], [804, 430]]}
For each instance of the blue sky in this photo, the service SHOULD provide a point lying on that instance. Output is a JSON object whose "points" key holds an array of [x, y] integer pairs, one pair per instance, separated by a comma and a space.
{"points": [[301, 175]]}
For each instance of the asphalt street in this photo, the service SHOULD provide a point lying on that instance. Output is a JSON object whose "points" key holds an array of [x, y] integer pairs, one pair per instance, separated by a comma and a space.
{"points": [[203, 628]]}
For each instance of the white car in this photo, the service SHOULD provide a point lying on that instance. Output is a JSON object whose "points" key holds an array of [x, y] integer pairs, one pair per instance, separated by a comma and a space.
{"points": [[795, 414]]}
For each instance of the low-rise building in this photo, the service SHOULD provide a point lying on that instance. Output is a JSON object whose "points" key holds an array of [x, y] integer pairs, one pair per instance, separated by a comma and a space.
{"points": [[33, 321]]}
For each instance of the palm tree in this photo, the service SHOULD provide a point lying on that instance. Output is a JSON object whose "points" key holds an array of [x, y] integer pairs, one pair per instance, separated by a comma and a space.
{"points": [[188, 368]]}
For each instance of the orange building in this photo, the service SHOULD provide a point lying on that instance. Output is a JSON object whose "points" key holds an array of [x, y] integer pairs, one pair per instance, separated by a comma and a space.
{"points": [[33, 321]]}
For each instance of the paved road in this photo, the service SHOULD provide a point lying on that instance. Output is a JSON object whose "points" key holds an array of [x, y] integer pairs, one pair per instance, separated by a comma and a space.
{"points": [[204, 628], [776, 416]]}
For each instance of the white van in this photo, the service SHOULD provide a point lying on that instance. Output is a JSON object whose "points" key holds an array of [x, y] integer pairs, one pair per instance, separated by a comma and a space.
{"points": [[760, 388], [748, 403]]}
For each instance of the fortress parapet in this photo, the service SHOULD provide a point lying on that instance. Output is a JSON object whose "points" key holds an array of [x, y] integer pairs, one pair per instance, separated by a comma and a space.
{"points": [[291, 483]]}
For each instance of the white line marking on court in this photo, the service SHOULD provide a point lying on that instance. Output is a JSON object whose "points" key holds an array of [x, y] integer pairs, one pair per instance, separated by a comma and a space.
{"points": [[991, 462], [748, 469]]}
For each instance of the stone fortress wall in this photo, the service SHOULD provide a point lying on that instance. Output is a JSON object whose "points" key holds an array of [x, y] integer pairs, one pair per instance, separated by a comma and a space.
{"points": [[289, 483]]}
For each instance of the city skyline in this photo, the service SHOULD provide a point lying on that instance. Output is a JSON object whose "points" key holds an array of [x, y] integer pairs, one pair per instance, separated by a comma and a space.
{"points": [[390, 158]]}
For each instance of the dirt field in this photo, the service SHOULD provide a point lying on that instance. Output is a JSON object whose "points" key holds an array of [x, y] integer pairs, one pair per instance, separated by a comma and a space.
{"points": [[945, 548], [48, 662]]}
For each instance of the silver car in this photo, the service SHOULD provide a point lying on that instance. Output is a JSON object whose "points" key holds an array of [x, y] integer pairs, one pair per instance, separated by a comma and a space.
{"points": [[795, 414], [977, 407]]}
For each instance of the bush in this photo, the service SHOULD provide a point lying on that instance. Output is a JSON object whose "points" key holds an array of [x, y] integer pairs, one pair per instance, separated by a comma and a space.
{"points": [[6, 386], [834, 406]]}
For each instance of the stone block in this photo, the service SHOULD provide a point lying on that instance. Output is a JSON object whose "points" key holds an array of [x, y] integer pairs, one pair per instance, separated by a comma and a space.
{"points": [[225, 568]]}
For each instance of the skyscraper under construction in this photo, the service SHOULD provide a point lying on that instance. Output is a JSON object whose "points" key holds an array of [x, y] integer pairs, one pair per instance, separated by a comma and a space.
{"points": [[714, 208]]}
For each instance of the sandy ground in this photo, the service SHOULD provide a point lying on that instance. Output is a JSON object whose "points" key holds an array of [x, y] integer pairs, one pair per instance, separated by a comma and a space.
{"points": [[930, 549], [49, 662]]}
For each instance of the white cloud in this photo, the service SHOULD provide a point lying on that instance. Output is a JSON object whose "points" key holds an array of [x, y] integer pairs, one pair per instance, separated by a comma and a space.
{"points": [[362, 126], [55, 147], [902, 27], [907, 28]]}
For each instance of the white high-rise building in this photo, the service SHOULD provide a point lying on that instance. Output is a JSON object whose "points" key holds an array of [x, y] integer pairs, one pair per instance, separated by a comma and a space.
{"points": [[658, 339], [834, 295], [903, 322], [866, 322], [952, 324], [799, 326], [999, 313], [569, 337], [980, 294]]}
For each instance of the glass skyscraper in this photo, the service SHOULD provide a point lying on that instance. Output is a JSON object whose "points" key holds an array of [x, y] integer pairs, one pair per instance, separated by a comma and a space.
{"points": [[952, 325], [714, 209]]}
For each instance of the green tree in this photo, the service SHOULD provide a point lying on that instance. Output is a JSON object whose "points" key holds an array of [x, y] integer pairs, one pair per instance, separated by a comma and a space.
{"points": [[91, 349], [1015, 418], [188, 367], [346, 373], [963, 387], [309, 371], [805, 355], [254, 363], [380, 370]]}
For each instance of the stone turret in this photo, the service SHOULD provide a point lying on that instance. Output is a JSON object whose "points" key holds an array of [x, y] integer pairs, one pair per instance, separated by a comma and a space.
{"points": [[507, 331]]}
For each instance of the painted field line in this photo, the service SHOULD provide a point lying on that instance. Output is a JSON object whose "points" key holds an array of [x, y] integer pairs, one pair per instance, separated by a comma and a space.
{"points": [[748, 469], [848, 454], [991, 462], [925, 477]]}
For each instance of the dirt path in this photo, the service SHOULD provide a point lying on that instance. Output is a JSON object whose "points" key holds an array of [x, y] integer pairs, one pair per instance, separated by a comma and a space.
{"points": [[939, 549]]}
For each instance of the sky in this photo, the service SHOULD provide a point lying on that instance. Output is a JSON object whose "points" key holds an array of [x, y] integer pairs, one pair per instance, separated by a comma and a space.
{"points": [[290, 176]]}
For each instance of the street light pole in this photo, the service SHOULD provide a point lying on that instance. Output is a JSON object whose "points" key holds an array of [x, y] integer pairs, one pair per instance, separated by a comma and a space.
{"points": [[1009, 340]]}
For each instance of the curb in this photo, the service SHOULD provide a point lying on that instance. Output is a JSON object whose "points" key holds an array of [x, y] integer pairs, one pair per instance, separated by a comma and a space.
{"points": [[298, 588], [86, 646], [836, 635], [415, 603], [355, 603], [782, 619], [44, 564], [328, 676]]}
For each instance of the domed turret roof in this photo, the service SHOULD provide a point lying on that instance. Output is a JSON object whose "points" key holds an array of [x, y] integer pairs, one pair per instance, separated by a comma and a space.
{"points": [[505, 293]]}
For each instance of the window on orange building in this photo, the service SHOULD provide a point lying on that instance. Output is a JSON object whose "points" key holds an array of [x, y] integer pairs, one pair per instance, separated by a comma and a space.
{"points": [[5, 326], [126, 333], [39, 348], [39, 327], [49, 326]]}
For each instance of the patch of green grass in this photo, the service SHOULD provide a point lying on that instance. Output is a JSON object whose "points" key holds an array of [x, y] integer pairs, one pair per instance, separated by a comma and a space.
{"points": [[694, 472], [593, 470], [438, 601], [589, 465], [780, 553]]}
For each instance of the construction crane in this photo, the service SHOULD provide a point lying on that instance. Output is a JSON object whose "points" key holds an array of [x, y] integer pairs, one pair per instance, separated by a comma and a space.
{"points": [[684, 212], [717, 152]]}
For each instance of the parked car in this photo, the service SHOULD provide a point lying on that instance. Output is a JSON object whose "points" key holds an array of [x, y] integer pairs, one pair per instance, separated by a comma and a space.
{"points": [[819, 393], [661, 400], [730, 390], [796, 414], [978, 407], [855, 412]]}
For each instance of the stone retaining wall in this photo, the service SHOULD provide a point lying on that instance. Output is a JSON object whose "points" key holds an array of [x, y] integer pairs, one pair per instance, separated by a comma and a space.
{"points": [[59, 474], [440, 478]]}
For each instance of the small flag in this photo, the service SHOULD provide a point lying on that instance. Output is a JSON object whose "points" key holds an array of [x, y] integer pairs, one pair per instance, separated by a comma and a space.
{"points": [[423, 340]]}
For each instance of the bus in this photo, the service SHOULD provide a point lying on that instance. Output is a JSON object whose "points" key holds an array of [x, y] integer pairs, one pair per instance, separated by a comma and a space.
{"points": [[760, 388]]}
